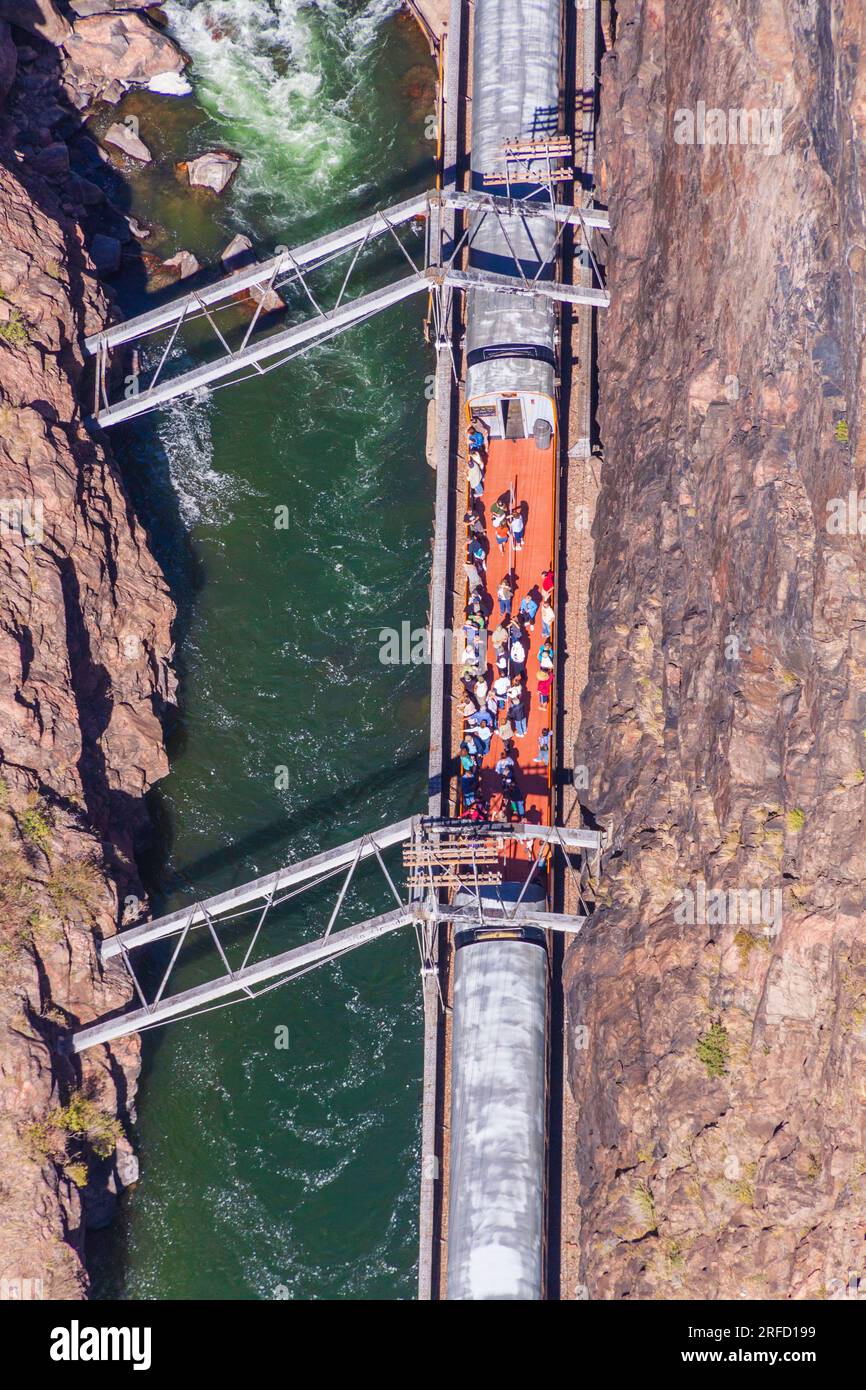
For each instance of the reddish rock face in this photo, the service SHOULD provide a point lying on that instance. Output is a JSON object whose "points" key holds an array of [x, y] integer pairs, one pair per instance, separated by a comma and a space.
{"points": [[36, 17], [106, 50], [85, 642], [720, 1144]]}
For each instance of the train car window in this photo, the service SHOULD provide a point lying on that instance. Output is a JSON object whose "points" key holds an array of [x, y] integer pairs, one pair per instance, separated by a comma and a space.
{"points": [[530, 351]]}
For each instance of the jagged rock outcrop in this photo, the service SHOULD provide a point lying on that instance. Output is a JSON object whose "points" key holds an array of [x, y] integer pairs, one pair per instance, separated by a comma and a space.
{"points": [[721, 1134], [40, 17], [107, 53], [85, 620]]}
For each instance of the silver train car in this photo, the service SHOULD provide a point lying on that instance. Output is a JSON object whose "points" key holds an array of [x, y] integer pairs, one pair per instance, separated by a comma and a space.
{"points": [[498, 1149], [510, 341]]}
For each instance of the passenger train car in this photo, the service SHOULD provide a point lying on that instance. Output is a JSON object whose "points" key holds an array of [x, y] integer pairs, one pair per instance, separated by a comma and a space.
{"points": [[497, 1166], [510, 341], [498, 1151]]}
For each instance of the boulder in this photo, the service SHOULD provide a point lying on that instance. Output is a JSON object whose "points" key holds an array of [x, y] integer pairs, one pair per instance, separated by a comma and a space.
{"points": [[270, 301], [119, 48], [238, 253], [124, 138], [8, 60], [105, 253], [182, 264], [37, 17], [88, 193], [214, 170], [53, 160]]}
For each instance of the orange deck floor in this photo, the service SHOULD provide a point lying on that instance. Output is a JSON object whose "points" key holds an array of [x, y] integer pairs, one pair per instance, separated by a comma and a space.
{"points": [[518, 469]]}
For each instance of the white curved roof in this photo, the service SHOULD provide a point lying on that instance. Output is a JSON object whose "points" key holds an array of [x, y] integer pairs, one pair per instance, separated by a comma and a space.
{"points": [[497, 1163]]}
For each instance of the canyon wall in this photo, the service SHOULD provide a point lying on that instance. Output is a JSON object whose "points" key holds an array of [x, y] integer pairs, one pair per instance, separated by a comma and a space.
{"points": [[85, 620], [721, 1079]]}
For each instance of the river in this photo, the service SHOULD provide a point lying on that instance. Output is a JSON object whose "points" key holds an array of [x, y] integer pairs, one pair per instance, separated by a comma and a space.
{"points": [[271, 1170]]}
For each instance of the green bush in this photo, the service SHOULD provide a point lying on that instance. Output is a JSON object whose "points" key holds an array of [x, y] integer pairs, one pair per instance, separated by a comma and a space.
{"points": [[35, 826], [714, 1050], [83, 1119], [14, 330]]}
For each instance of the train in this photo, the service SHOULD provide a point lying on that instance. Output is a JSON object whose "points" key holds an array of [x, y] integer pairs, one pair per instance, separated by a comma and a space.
{"points": [[498, 1161]]}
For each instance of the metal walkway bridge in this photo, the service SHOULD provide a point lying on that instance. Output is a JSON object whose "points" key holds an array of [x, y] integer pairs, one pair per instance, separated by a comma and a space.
{"points": [[438, 854], [257, 348]]}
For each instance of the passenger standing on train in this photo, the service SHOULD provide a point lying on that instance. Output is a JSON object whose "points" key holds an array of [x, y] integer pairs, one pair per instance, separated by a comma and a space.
{"points": [[518, 652], [475, 438], [505, 765], [545, 656], [501, 532], [475, 476], [499, 638], [468, 785], [517, 716], [480, 690], [478, 552], [505, 594], [544, 741], [474, 746], [505, 732], [545, 680], [474, 522], [472, 576], [517, 527], [548, 617], [501, 687], [516, 804], [547, 585], [528, 609], [484, 732]]}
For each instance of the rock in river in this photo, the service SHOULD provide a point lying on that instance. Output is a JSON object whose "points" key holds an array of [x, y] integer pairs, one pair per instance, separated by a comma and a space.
{"points": [[214, 170], [182, 264], [123, 137], [105, 253]]}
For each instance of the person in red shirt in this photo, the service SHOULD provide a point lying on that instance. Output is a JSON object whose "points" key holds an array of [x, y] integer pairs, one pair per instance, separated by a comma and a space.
{"points": [[547, 584], [545, 680]]}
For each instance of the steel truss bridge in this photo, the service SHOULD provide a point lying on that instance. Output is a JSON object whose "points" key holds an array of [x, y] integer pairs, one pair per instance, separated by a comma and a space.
{"points": [[260, 348], [439, 854]]}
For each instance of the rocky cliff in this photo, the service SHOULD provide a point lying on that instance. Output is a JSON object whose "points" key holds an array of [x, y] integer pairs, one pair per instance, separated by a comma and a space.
{"points": [[85, 620], [722, 985]]}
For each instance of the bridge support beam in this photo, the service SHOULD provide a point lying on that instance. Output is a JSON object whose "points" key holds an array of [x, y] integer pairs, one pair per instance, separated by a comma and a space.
{"points": [[269, 886], [289, 963]]}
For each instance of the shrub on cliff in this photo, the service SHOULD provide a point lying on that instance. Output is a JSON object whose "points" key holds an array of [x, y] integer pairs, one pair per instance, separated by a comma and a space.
{"points": [[713, 1049]]}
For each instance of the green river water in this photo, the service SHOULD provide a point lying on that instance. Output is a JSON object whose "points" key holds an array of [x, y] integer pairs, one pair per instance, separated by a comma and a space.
{"points": [[285, 1171]]}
